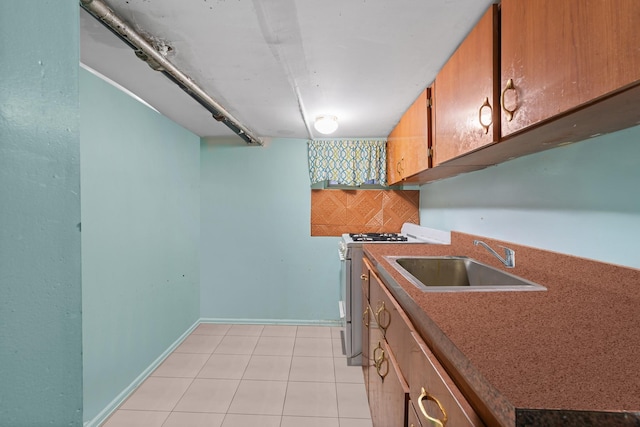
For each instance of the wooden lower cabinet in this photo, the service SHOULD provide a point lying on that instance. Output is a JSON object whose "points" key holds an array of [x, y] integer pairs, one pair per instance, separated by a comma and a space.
{"points": [[406, 385], [433, 388], [388, 391]]}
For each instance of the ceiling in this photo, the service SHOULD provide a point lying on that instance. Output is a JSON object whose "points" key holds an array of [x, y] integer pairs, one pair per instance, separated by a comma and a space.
{"points": [[275, 65]]}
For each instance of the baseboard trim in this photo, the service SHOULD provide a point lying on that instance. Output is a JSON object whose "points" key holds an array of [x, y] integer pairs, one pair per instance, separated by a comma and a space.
{"points": [[271, 321], [111, 407]]}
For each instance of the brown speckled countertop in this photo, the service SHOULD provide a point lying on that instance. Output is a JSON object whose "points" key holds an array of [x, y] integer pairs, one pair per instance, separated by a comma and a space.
{"points": [[573, 347]]}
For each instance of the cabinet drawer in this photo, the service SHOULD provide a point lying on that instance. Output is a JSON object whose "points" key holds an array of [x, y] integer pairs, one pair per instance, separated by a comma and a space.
{"points": [[392, 321], [388, 391], [432, 388]]}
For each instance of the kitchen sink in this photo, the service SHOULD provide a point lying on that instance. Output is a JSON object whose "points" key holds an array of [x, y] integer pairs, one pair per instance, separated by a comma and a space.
{"points": [[457, 274]]}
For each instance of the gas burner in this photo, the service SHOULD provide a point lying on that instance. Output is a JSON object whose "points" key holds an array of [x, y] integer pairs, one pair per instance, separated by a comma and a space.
{"points": [[378, 237]]}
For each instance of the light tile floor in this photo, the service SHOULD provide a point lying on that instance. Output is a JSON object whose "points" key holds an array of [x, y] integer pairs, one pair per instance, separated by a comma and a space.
{"points": [[251, 375]]}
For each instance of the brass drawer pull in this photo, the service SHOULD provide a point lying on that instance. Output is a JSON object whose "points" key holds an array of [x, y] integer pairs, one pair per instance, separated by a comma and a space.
{"points": [[380, 360], [487, 105], [365, 317], [379, 318], [507, 112], [364, 277], [375, 355], [435, 421], [382, 363]]}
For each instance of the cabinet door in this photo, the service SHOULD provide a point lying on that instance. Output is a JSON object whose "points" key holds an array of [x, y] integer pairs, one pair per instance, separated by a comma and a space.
{"points": [[466, 93], [415, 146], [367, 324], [394, 156], [564, 54], [366, 321], [409, 142], [433, 391], [388, 392]]}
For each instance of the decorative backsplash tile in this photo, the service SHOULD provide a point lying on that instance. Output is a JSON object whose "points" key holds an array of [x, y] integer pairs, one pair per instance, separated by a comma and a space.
{"points": [[334, 212]]}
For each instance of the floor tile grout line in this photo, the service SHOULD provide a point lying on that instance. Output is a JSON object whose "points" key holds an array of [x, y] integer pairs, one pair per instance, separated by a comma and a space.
{"points": [[291, 357], [286, 388], [194, 378], [192, 381]]}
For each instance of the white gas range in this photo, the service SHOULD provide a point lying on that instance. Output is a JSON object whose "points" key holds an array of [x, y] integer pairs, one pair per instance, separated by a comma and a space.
{"points": [[350, 251]]}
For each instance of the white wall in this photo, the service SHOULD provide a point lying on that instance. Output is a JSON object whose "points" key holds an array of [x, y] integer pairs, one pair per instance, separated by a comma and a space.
{"points": [[581, 199], [258, 260]]}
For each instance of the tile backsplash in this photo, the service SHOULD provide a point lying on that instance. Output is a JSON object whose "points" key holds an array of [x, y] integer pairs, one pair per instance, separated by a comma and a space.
{"points": [[334, 212]]}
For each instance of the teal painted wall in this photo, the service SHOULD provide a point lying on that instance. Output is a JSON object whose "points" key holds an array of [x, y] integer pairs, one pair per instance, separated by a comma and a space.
{"points": [[258, 258], [40, 255], [581, 199], [140, 237]]}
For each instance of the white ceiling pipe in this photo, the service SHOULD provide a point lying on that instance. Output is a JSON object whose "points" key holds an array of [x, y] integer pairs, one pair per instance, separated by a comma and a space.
{"points": [[145, 51]]}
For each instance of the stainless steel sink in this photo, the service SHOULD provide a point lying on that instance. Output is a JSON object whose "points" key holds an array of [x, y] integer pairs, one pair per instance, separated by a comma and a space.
{"points": [[458, 274]]}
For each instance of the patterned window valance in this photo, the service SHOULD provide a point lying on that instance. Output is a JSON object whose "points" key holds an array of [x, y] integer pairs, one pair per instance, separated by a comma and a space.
{"points": [[348, 161]]}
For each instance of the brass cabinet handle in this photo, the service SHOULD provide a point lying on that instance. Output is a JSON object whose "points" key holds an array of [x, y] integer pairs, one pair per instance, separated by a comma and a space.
{"points": [[487, 105], [437, 422], [383, 309], [375, 357], [365, 317], [399, 167], [380, 360], [383, 362], [364, 277], [507, 112]]}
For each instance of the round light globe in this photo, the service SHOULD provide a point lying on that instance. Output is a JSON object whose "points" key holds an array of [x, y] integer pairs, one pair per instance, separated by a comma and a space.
{"points": [[326, 124]]}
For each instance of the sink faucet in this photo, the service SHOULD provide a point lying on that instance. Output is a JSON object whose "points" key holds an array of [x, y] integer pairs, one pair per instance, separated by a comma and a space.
{"points": [[510, 255]]}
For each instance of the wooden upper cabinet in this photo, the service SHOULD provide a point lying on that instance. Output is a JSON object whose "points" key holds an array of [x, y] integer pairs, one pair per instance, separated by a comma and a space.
{"points": [[394, 156], [409, 142], [565, 54], [466, 93]]}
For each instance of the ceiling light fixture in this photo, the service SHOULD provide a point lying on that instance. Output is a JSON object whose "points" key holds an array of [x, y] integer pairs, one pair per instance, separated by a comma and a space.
{"points": [[326, 124]]}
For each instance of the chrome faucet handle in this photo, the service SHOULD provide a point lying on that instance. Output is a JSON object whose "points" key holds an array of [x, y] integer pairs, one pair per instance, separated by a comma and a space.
{"points": [[510, 255]]}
